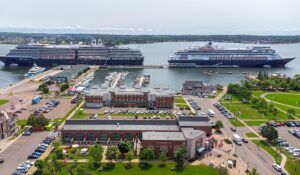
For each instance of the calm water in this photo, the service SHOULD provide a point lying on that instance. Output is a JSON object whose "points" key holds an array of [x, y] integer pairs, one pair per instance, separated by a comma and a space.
{"points": [[158, 53]]}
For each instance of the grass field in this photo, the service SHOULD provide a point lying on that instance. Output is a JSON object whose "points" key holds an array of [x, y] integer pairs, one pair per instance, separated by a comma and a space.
{"points": [[255, 123], [245, 111], [180, 102], [257, 93], [250, 135], [292, 164], [285, 98], [154, 170], [285, 108], [236, 123], [79, 115], [264, 145], [3, 101], [22, 122]]}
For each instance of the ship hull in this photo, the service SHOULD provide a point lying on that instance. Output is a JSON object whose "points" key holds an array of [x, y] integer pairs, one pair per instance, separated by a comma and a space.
{"points": [[230, 63], [28, 62]]}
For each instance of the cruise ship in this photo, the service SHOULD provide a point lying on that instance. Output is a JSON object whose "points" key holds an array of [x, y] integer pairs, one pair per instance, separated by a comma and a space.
{"points": [[213, 56], [52, 55]]}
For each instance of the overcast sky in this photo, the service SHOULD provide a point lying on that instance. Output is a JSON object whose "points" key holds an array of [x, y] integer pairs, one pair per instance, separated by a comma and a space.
{"points": [[264, 17]]}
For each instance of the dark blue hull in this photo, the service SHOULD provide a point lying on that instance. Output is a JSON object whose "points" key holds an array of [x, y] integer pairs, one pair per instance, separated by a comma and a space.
{"points": [[28, 62], [230, 63]]}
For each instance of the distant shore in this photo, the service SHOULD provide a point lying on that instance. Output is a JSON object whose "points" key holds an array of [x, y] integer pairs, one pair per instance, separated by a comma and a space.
{"points": [[22, 38]]}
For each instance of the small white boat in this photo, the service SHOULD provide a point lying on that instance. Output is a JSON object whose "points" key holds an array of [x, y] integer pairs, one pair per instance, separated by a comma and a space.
{"points": [[35, 70]]}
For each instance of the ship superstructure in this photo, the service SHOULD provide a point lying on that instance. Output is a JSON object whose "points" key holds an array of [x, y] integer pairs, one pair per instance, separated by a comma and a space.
{"points": [[212, 56], [51, 55]]}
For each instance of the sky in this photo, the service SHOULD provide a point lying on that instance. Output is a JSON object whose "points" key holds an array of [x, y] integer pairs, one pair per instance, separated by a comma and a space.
{"points": [[258, 17]]}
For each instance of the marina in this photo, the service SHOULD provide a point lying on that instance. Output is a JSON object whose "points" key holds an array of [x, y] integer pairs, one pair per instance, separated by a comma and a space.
{"points": [[141, 81]]}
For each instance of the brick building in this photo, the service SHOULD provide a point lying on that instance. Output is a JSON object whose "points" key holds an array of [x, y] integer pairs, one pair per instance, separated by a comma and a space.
{"points": [[159, 135], [8, 125], [156, 98]]}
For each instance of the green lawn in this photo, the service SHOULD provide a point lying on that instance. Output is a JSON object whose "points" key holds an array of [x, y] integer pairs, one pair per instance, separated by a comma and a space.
{"points": [[245, 111], [255, 123], [3, 101], [285, 108], [250, 135], [179, 100], [292, 164], [79, 115], [22, 122], [264, 145], [154, 170], [236, 123], [285, 98], [257, 93]]}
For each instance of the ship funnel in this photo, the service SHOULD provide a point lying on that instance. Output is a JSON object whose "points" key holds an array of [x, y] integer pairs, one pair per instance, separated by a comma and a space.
{"points": [[100, 42], [94, 42]]}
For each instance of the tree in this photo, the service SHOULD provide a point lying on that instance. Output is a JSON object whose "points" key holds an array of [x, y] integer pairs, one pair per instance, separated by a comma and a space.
{"points": [[40, 165], [43, 87], [253, 172], [290, 112], [112, 154], [146, 155], [269, 132], [56, 144], [37, 121], [124, 146], [128, 157], [63, 87], [59, 153], [179, 158], [219, 125], [163, 158], [95, 155]]}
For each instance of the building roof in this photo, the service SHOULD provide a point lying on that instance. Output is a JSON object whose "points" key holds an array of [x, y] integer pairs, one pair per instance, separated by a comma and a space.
{"points": [[130, 125], [69, 72], [193, 121], [163, 136], [190, 133]]}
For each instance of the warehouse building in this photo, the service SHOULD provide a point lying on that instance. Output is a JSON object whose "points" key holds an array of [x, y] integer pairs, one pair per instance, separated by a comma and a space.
{"points": [[198, 88], [159, 135], [116, 97], [69, 72]]}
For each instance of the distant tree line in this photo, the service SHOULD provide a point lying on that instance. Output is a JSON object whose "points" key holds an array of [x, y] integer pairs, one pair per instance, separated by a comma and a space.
{"points": [[22, 38]]}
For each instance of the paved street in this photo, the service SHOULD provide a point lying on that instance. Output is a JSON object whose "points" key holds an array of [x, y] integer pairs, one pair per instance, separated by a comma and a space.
{"points": [[254, 157], [18, 152]]}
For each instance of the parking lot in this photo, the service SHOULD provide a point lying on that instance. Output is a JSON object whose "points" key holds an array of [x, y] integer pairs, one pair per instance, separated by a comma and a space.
{"points": [[18, 152], [57, 112], [291, 139]]}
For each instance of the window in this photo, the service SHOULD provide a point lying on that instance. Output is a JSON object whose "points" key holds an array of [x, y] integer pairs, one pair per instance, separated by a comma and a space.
{"points": [[80, 137], [104, 137], [68, 136], [91, 136], [128, 136], [116, 137]]}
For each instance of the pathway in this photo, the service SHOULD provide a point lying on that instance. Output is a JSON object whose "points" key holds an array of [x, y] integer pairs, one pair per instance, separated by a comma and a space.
{"points": [[116, 81]]}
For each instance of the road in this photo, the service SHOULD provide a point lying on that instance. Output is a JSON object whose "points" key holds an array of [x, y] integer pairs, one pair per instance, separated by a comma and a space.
{"points": [[18, 151], [253, 156]]}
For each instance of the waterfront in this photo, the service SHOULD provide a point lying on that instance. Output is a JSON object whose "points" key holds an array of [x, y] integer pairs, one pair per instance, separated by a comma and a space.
{"points": [[158, 54]]}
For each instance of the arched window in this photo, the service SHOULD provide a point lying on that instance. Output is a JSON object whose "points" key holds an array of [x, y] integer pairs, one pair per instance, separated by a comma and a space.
{"points": [[116, 137]]}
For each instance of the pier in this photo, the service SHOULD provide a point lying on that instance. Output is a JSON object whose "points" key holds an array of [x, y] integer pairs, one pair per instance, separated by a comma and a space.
{"points": [[117, 80]]}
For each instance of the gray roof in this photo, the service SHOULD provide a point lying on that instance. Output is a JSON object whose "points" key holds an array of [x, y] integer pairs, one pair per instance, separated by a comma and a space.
{"points": [[71, 71], [121, 127], [173, 136], [190, 133], [130, 125], [193, 121]]}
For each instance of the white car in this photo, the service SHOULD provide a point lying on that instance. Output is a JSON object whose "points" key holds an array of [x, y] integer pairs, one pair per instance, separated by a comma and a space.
{"points": [[277, 167], [31, 163], [296, 154]]}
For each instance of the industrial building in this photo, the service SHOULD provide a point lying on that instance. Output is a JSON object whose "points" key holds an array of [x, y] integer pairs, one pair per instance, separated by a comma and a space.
{"points": [[159, 135], [69, 72], [198, 88], [117, 97]]}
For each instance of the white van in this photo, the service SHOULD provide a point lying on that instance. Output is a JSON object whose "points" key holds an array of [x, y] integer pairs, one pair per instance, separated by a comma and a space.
{"points": [[237, 139], [211, 113]]}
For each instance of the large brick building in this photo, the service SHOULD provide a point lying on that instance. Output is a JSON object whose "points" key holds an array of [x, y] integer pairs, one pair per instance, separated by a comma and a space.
{"points": [[115, 97], [159, 135]]}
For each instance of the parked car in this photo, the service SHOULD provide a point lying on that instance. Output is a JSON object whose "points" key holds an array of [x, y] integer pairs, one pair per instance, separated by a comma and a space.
{"points": [[277, 167], [233, 129], [244, 140], [1, 160]]}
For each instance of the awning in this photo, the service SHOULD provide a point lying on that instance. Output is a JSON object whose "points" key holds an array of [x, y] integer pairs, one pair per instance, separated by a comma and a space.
{"points": [[200, 149]]}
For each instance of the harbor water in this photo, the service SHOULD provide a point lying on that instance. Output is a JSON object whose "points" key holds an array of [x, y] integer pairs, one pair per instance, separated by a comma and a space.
{"points": [[158, 54]]}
